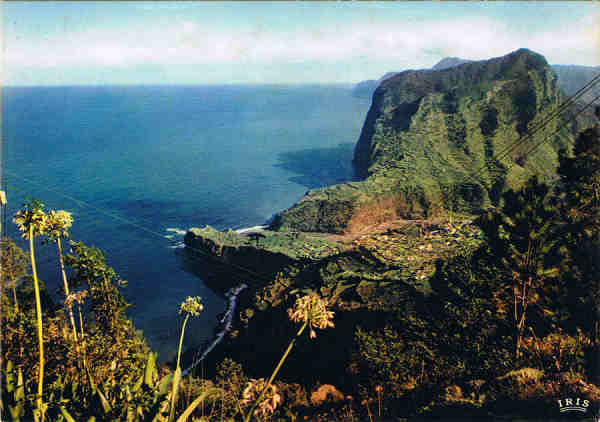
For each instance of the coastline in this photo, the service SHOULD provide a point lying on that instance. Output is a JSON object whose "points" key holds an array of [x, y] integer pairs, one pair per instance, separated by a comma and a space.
{"points": [[226, 322], [253, 229]]}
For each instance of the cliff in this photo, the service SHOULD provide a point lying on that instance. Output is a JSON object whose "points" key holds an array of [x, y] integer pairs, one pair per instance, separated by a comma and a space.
{"points": [[264, 253], [445, 140], [365, 89]]}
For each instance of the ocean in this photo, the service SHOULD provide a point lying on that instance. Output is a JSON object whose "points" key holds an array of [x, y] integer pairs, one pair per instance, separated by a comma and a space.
{"points": [[138, 165]]}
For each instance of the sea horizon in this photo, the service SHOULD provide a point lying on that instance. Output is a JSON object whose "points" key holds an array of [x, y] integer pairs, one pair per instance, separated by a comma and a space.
{"points": [[233, 84]]}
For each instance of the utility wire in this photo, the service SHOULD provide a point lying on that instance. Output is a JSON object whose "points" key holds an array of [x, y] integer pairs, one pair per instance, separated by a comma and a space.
{"points": [[538, 126], [536, 146], [252, 275], [84, 204], [541, 124]]}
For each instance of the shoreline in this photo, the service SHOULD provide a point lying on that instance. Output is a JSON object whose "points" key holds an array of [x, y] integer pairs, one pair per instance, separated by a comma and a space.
{"points": [[226, 322], [253, 229]]}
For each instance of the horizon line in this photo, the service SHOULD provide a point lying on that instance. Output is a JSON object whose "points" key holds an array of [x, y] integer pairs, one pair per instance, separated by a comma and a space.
{"points": [[158, 84]]}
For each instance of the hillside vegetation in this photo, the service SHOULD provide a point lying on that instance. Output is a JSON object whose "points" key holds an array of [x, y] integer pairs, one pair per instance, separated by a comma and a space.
{"points": [[485, 317], [441, 140]]}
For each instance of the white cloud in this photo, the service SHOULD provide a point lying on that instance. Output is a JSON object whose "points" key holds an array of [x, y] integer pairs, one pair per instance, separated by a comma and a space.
{"points": [[410, 44]]}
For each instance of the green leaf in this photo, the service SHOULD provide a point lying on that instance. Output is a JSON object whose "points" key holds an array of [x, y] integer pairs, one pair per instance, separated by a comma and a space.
{"points": [[105, 405], [66, 414], [165, 382], [138, 384], [130, 415], [150, 368], [10, 377], [16, 412], [20, 392], [187, 412]]}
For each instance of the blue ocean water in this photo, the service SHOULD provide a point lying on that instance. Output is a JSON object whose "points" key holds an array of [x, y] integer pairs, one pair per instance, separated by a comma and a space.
{"points": [[139, 165]]}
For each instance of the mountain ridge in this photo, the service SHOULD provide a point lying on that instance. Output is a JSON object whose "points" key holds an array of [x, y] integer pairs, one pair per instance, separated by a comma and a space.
{"points": [[571, 77], [427, 130]]}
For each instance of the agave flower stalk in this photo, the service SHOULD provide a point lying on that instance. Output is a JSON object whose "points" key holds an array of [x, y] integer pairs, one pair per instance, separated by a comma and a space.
{"points": [[57, 225], [311, 311], [31, 221], [192, 306]]}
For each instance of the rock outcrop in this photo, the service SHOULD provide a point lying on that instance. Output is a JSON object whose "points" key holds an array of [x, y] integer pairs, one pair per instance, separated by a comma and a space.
{"points": [[256, 256]]}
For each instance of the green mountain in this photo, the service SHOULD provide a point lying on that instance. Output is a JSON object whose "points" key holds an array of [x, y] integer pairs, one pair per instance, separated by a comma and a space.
{"points": [[449, 139], [571, 78], [448, 62], [365, 89]]}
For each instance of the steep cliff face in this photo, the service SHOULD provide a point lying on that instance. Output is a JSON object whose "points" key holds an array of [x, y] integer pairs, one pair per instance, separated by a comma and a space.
{"points": [[455, 112], [446, 139]]}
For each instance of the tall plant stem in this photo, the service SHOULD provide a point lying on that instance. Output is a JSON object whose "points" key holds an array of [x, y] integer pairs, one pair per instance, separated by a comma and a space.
{"points": [[14, 292], [66, 285], [83, 344], [274, 374], [181, 339], [38, 311], [177, 375]]}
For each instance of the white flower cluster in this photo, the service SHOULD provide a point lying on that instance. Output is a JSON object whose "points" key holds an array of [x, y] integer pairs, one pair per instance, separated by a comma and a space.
{"points": [[191, 306], [58, 223], [55, 223], [270, 401], [312, 309]]}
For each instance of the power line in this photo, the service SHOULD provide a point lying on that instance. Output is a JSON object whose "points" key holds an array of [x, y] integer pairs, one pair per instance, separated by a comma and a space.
{"points": [[252, 275], [84, 204], [543, 123], [536, 146], [239, 281]]}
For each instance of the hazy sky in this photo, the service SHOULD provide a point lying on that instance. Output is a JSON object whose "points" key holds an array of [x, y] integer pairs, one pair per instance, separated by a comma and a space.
{"points": [[66, 43]]}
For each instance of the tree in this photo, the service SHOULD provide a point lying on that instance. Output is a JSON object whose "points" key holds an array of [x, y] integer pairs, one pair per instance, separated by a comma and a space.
{"points": [[90, 268], [579, 194], [522, 236], [13, 262]]}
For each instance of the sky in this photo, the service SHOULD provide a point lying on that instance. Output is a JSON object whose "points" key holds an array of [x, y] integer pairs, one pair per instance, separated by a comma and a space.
{"points": [[133, 43]]}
